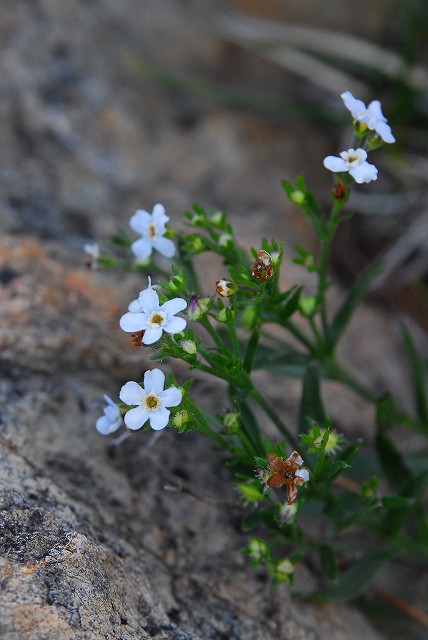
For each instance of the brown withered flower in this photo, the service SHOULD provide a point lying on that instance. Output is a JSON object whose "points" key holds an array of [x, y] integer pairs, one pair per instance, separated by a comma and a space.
{"points": [[262, 268], [288, 472], [137, 338], [339, 191]]}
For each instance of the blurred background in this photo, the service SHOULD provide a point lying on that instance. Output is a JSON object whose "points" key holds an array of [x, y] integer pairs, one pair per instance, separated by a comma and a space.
{"points": [[107, 106]]}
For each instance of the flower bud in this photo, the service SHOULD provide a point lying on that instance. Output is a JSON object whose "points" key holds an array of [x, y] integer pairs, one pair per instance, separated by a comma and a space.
{"points": [[226, 288], [249, 317], [189, 347], [180, 418], [224, 239], [195, 244], [308, 306], [217, 218], [283, 571], [257, 549], [231, 422], [221, 316], [250, 492], [198, 307], [297, 196]]}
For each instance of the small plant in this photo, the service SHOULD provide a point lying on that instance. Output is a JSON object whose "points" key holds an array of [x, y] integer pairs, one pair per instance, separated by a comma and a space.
{"points": [[302, 477]]}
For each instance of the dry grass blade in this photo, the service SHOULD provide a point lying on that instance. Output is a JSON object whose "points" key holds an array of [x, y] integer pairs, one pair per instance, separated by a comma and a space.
{"points": [[267, 38]]}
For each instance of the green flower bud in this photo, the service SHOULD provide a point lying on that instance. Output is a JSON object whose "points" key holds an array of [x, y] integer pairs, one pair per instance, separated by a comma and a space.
{"points": [[283, 570], [308, 306], [298, 196], [189, 347], [180, 418], [250, 492], [249, 317], [221, 316]]}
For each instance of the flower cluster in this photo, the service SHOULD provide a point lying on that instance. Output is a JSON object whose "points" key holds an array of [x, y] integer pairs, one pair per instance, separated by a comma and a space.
{"points": [[234, 339], [354, 161]]}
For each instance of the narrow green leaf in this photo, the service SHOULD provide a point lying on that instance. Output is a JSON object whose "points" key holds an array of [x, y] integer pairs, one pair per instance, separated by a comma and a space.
{"points": [[393, 465], [311, 405], [328, 562], [353, 582], [352, 301], [419, 379]]}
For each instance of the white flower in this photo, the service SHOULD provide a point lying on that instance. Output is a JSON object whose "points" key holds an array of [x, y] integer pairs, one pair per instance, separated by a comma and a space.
{"points": [[111, 420], [372, 115], [151, 227], [93, 251], [145, 314], [354, 161], [150, 402]]}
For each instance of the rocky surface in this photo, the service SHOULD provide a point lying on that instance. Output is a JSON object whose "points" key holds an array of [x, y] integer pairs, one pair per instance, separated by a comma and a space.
{"points": [[132, 541], [99, 541]]}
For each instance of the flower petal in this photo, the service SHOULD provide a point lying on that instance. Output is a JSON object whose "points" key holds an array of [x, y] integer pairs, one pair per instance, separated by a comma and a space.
{"points": [[132, 393], [149, 300], [303, 474], [384, 130], [159, 419], [131, 322], [375, 111], [140, 221], [175, 325], [171, 397], [171, 307], [134, 306], [353, 105], [105, 426], [159, 215], [135, 418], [165, 246], [364, 172], [152, 335], [154, 381], [335, 164], [142, 248]]}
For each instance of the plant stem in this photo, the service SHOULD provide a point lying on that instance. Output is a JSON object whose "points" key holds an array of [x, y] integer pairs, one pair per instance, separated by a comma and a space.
{"points": [[206, 323], [288, 324], [281, 426]]}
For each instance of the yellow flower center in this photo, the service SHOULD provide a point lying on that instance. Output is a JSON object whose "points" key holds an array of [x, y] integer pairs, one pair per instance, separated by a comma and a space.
{"points": [[152, 230], [152, 402], [158, 319]]}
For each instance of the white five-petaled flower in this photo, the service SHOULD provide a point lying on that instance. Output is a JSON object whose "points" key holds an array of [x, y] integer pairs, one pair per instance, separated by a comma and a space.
{"points": [[354, 161], [111, 420], [371, 115], [150, 402], [146, 314], [151, 227]]}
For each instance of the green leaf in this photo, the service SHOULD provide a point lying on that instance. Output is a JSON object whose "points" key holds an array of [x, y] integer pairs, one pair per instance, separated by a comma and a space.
{"points": [[311, 405], [328, 562], [393, 464], [282, 359], [344, 314], [331, 469], [353, 582], [419, 379]]}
